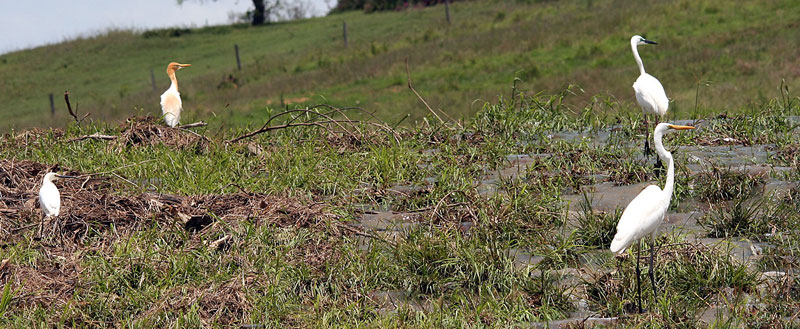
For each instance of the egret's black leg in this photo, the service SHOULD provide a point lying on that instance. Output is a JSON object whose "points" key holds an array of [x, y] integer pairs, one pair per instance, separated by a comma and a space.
{"points": [[658, 169], [638, 281], [647, 137], [652, 268]]}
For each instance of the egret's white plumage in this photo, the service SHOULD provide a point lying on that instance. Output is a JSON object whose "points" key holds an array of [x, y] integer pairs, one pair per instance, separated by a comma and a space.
{"points": [[171, 105], [49, 197], [646, 212], [650, 93], [642, 216]]}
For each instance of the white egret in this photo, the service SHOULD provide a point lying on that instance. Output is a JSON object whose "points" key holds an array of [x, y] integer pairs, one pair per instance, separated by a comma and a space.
{"points": [[49, 197], [650, 93], [646, 212], [171, 105]]}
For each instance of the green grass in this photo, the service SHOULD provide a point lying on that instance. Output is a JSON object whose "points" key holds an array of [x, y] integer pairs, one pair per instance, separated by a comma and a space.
{"points": [[712, 56], [299, 255], [282, 240]]}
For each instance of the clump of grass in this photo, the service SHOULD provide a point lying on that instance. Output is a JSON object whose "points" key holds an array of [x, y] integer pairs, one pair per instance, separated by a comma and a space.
{"points": [[788, 154], [724, 184], [546, 294], [436, 264], [444, 264], [525, 209], [558, 249], [694, 276], [623, 171], [703, 270], [742, 217], [595, 229], [605, 292]]}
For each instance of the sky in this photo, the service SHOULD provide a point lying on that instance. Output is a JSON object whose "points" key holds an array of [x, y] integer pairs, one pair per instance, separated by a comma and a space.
{"points": [[27, 24]]}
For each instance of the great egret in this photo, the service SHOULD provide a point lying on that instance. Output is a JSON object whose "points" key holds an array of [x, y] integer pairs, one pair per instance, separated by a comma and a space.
{"points": [[171, 105], [646, 212], [650, 93]]}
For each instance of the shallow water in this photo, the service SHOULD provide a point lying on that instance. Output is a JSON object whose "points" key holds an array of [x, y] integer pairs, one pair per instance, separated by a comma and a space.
{"points": [[603, 196]]}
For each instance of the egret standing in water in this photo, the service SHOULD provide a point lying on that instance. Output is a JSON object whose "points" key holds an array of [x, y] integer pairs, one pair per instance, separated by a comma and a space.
{"points": [[650, 93], [646, 212], [171, 105]]}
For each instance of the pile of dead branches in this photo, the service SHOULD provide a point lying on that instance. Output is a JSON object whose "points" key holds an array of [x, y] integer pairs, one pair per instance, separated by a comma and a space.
{"points": [[29, 137], [93, 216], [89, 203], [151, 131]]}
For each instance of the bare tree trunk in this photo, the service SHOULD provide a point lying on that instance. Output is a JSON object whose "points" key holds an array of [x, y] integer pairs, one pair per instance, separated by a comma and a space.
{"points": [[258, 15]]}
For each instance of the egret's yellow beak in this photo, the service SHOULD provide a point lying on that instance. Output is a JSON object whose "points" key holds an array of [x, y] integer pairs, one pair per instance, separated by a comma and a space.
{"points": [[180, 66], [676, 127]]}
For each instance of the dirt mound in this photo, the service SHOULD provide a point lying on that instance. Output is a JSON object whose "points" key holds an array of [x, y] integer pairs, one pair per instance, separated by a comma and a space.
{"points": [[47, 282], [20, 182], [226, 303], [93, 216], [152, 131], [30, 137], [90, 202]]}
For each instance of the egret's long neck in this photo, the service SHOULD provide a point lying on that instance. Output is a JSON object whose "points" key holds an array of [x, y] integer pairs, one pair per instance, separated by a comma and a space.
{"points": [[174, 84], [666, 157], [635, 50]]}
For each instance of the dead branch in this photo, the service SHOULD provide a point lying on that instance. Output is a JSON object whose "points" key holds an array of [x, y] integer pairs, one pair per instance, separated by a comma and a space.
{"points": [[71, 112], [341, 111], [365, 234], [265, 129], [93, 136], [69, 106], [329, 119], [193, 125], [343, 114], [219, 243], [194, 133], [312, 116], [408, 75]]}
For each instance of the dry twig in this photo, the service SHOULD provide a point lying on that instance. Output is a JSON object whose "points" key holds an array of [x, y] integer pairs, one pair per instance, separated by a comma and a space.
{"points": [[315, 118], [193, 125], [93, 136], [408, 75]]}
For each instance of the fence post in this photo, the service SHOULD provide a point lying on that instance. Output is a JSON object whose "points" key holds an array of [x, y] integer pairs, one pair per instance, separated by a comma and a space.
{"points": [[153, 80], [344, 33], [238, 62], [52, 106], [447, 10]]}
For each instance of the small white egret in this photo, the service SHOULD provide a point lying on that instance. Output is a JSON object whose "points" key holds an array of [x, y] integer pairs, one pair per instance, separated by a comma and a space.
{"points": [[646, 212], [650, 93], [171, 105], [49, 197]]}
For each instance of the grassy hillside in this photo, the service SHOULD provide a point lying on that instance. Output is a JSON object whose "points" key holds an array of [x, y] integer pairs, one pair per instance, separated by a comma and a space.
{"points": [[737, 53]]}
